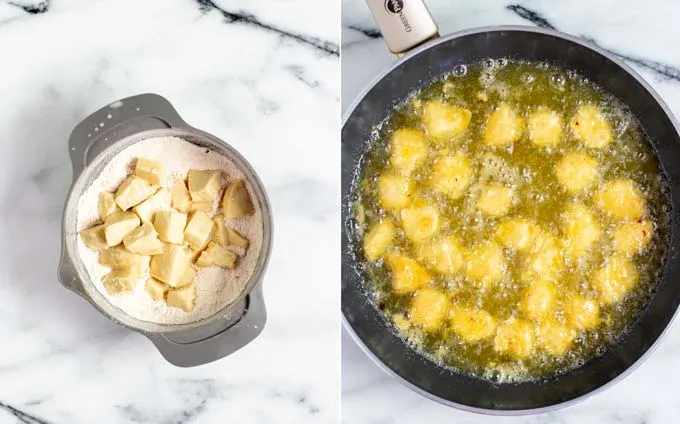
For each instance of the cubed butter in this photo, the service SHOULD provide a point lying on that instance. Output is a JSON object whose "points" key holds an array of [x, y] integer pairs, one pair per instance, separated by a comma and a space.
{"points": [[156, 289], [169, 267], [118, 225], [236, 239], [216, 255], [107, 204], [220, 235], [157, 202], [119, 258], [132, 192], [180, 196], [170, 226], [94, 238], [188, 277], [198, 230], [150, 170], [204, 184], [143, 241], [193, 252], [201, 206], [119, 281], [182, 297], [236, 201]]}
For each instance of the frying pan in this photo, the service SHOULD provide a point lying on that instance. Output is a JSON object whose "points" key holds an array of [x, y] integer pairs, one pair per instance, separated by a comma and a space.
{"points": [[426, 57]]}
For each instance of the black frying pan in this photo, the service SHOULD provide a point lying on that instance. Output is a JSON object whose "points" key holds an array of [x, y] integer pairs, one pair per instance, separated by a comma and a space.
{"points": [[367, 324]]}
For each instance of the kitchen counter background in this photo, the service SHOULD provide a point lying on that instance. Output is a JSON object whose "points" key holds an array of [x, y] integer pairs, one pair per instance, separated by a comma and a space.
{"points": [[643, 34], [252, 73]]}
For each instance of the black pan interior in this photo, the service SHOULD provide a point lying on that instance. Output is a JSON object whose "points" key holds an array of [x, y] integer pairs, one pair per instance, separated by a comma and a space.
{"points": [[367, 322]]}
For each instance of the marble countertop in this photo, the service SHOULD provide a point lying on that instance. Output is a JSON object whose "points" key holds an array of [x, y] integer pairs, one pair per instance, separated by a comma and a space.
{"points": [[248, 72], [640, 33]]}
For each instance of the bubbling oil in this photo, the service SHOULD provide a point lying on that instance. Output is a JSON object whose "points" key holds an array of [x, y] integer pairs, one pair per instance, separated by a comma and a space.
{"points": [[530, 171]]}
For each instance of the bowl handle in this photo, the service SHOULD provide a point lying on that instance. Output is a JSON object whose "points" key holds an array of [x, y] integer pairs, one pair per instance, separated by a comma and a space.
{"points": [[117, 120], [218, 339]]}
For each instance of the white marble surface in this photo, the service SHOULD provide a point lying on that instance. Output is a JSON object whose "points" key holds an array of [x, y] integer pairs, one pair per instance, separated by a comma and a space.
{"points": [[642, 32], [258, 76]]}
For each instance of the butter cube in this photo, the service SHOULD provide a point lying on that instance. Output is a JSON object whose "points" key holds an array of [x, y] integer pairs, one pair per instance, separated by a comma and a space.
{"points": [[236, 201], [183, 297], [119, 258], [170, 226], [119, 281], [118, 225], [204, 185], [188, 277], [180, 196], [143, 241], [94, 238], [132, 192], [215, 255], [107, 204], [194, 253], [150, 170], [220, 235], [201, 206], [169, 267], [236, 239], [198, 230], [156, 289], [157, 202]]}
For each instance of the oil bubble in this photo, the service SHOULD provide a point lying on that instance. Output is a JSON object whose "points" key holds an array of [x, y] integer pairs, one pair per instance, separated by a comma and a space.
{"points": [[527, 78], [460, 70], [558, 81], [502, 62], [489, 63]]}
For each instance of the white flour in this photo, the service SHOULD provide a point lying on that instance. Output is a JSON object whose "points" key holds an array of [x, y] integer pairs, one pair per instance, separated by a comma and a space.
{"points": [[215, 287]]}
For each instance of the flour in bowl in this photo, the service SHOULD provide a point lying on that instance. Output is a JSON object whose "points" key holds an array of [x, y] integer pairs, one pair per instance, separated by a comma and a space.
{"points": [[216, 287]]}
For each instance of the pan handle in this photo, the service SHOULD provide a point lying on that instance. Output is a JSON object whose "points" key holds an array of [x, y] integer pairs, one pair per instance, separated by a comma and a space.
{"points": [[405, 24]]}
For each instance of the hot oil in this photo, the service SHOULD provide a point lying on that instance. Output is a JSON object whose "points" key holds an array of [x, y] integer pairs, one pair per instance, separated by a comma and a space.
{"points": [[529, 170]]}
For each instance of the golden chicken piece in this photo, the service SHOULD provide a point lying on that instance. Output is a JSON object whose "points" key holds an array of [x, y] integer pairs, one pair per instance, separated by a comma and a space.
{"points": [[495, 200], [555, 338], [515, 338], [407, 274], [576, 172], [538, 300], [378, 239], [429, 308], [621, 199], [582, 313], [580, 228], [408, 149], [444, 255], [503, 127], [545, 128], [633, 237], [472, 325], [591, 127], [517, 234], [486, 264], [451, 175], [420, 221], [394, 191], [444, 122], [615, 279]]}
